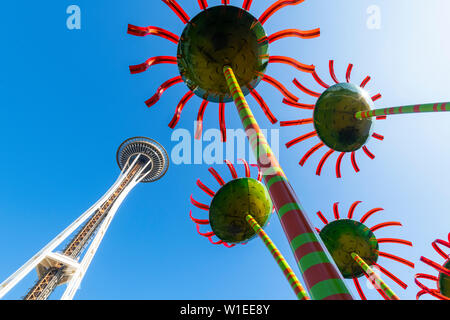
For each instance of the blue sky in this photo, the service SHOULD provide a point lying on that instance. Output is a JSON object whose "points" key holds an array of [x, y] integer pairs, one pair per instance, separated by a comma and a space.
{"points": [[68, 101]]}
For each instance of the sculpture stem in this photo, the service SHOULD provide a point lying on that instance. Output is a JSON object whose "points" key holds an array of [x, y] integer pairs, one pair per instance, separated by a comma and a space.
{"points": [[418, 108], [376, 280], [282, 263], [321, 276]]}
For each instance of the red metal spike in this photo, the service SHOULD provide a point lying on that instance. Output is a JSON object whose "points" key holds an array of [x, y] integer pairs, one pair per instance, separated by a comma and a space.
{"points": [[301, 138], [306, 90], [202, 222], [166, 85], [378, 136], [381, 292], [393, 240], [433, 292], [280, 88], [232, 169], [247, 168], [298, 105], [365, 82], [336, 210], [428, 277], [338, 165], [260, 174], [359, 289], [145, 31], [439, 250], [178, 10], [395, 258], [216, 176], [151, 62], [310, 152], [436, 266], [420, 293], [206, 235], [294, 33], [293, 63], [227, 245], [223, 126], [322, 217], [332, 74], [354, 164], [207, 190], [369, 214], [275, 7], [296, 122], [217, 243], [368, 153], [349, 72], [203, 4], [319, 80], [179, 109], [201, 113], [247, 4], [386, 224], [376, 97], [322, 161], [392, 276], [264, 106], [199, 205], [351, 211]]}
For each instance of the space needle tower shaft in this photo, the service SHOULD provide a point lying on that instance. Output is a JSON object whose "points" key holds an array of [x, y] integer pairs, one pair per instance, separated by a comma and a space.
{"points": [[140, 160], [52, 277]]}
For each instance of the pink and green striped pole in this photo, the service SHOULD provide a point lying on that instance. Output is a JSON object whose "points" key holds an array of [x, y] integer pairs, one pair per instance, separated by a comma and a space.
{"points": [[321, 276], [282, 263], [376, 280], [418, 108]]}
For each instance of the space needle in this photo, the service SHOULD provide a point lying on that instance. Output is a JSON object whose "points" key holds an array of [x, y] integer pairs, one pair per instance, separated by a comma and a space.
{"points": [[140, 159]]}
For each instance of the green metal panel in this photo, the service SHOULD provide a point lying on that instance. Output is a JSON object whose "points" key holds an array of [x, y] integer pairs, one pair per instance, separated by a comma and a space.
{"points": [[231, 205], [334, 117], [344, 237], [219, 36]]}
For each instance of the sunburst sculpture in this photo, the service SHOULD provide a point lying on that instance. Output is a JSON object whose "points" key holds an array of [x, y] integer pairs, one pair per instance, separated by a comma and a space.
{"points": [[354, 247], [205, 44], [238, 212], [343, 135], [442, 291], [342, 118]]}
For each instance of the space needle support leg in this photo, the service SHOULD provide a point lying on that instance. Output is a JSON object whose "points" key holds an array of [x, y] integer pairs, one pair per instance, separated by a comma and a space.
{"points": [[376, 280], [9, 283], [74, 284], [282, 263], [320, 274]]}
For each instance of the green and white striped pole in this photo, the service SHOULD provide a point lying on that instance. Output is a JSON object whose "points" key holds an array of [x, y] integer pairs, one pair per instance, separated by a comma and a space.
{"points": [[376, 280], [282, 263], [418, 108], [321, 276]]}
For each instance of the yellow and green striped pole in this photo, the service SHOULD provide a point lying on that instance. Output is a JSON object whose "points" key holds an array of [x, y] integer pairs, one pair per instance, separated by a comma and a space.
{"points": [[282, 263], [376, 280], [418, 108], [322, 278]]}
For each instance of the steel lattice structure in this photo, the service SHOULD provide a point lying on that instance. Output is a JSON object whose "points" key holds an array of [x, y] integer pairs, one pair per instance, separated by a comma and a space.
{"points": [[140, 159]]}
